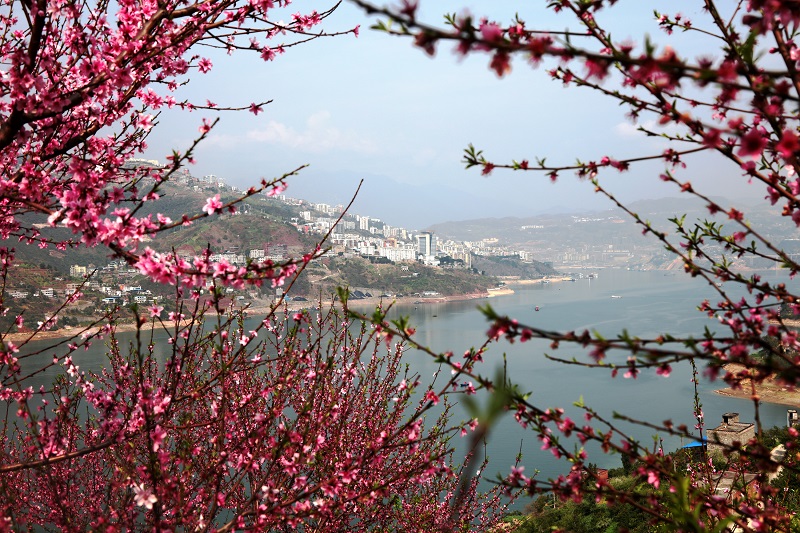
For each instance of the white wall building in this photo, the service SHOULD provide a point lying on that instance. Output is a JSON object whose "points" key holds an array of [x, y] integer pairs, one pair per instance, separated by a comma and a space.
{"points": [[398, 254]]}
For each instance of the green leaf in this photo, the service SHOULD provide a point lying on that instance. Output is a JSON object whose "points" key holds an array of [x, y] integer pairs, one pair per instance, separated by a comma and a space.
{"points": [[488, 312], [745, 50], [343, 293]]}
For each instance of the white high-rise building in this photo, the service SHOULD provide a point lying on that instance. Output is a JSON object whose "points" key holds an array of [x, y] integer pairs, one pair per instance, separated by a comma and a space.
{"points": [[426, 244]]}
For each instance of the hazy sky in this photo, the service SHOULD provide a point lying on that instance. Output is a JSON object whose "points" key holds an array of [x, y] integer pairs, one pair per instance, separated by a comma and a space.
{"points": [[378, 108]]}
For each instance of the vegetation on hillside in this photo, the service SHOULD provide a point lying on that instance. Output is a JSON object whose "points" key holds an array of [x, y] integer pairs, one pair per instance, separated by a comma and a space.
{"points": [[511, 266], [590, 514], [392, 279]]}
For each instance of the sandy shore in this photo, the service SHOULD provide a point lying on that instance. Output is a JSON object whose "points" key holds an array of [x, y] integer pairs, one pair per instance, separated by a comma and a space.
{"points": [[792, 323], [255, 311], [554, 279], [768, 391], [66, 334], [502, 291]]}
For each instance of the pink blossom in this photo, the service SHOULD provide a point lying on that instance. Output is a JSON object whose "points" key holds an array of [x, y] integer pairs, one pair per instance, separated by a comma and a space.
{"points": [[204, 65], [631, 373], [566, 426], [276, 189], [596, 69], [143, 497], [267, 54], [517, 475], [430, 396], [157, 436], [788, 145], [752, 144], [145, 122], [491, 32], [213, 205], [501, 65]]}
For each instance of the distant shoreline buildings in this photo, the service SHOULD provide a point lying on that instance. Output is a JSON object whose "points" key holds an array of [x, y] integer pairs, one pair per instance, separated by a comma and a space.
{"points": [[351, 233]]}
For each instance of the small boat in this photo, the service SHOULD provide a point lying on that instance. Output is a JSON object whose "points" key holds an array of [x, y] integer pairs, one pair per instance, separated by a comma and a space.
{"points": [[615, 296]]}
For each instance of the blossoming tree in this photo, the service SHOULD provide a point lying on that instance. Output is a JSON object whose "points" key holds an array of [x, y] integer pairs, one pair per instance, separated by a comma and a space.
{"points": [[201, 422], [736, 99]]}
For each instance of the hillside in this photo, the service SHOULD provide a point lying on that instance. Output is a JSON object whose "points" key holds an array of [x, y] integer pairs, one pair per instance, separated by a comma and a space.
{"points": [[258, 221], [508, 266], [359, 273], [611, 238]]}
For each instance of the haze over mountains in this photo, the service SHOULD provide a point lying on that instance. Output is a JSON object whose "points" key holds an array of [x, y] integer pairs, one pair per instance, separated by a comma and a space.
{"points": [[422, 206], [611, 238], [656, 210], [558, 238]]}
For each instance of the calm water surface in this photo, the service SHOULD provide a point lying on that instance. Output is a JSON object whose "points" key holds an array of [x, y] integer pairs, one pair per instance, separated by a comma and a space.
{"points": [[650, 303]]}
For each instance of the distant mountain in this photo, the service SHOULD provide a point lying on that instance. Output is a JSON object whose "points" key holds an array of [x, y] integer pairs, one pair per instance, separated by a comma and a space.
{"points": [[512, 229], [592, 224], [672, 205]]}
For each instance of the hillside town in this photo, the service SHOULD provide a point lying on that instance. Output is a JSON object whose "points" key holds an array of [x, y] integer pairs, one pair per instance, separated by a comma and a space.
{"points": [[353, 233], [582, 243], [91, 287]]}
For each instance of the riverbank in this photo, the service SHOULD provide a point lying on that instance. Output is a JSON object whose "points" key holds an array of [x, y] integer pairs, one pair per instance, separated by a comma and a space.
{"points": [[500, 291], [69, 333], [258, 309], [546, 279], [769, 390]]}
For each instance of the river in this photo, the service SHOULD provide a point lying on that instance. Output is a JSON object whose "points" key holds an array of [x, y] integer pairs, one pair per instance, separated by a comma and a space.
{"points": [[647, 304]]}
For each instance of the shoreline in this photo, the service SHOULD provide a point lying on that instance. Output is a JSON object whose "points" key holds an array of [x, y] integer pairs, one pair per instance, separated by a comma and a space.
{"points": [[553, 279], [255, 310], [769, 391]]}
